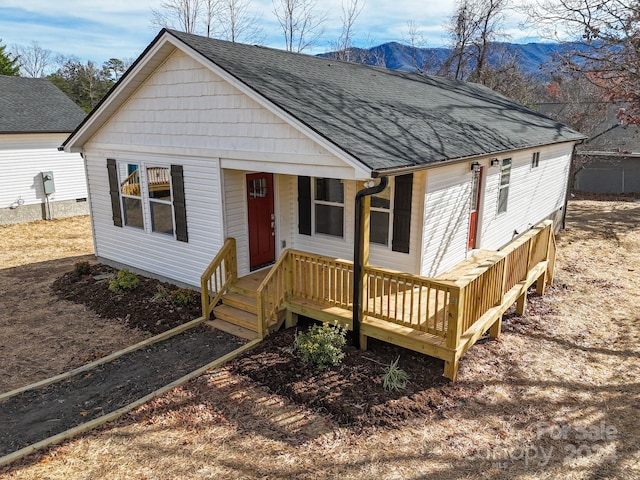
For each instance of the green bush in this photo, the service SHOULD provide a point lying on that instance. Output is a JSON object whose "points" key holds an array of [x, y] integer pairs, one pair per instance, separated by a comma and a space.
{"points": [[80, 269], [182, 297], [321, 346], [124, 280], [395, 378]]}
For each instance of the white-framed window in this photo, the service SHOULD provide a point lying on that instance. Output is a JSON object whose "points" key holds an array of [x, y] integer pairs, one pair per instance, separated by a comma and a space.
{"points": [[381, 215], [158, 181], [505, 179], [150, 197], [328, 206], [131, 194], [535, 160]]}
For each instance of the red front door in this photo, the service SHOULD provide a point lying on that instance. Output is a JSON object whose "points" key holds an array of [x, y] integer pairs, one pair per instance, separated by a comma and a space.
{"points": [[475, 207], [262, 240]]}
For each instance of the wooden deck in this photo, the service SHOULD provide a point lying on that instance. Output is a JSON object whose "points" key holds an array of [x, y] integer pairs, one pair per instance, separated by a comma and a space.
{"points": [[441, 317]]}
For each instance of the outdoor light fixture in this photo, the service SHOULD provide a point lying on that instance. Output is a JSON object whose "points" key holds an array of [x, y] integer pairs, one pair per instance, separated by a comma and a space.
{"points": [[369, 184], [475, 167], [495, 162]]}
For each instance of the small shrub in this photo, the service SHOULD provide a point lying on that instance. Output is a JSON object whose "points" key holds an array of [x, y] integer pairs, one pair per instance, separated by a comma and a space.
{"points": [[162, 294], [394, 378], [321, 346], [182, 297], [80, 269], [124, 280]]}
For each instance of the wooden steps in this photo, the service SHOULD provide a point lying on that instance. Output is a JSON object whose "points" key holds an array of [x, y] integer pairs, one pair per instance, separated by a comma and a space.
{"points": [[238, 312]]}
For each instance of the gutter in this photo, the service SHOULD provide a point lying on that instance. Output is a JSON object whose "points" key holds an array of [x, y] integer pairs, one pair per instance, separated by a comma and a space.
{"points": [[392, 172], [358, 259]]}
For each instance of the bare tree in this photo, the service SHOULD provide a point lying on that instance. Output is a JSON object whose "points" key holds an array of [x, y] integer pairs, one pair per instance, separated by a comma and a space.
{"points": [[602, 43], [301, 25], [210, 11], [474, 29], [181, 15], [34, 60], [236, 23], [342, 47]]}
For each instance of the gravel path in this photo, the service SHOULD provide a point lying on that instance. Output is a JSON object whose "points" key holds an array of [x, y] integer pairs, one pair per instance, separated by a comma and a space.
{"points": [[38, 414]]}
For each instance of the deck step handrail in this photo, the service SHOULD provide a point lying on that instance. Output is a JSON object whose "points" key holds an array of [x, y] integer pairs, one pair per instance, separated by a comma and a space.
{"points": [[273, 292], [221, 273]]}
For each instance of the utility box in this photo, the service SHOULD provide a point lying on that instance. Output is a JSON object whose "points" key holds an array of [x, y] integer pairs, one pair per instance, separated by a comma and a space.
{"points": [[47, 183]]}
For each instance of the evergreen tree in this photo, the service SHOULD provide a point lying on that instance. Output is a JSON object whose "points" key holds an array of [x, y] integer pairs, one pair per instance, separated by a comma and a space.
{"points": [[8, 63]]}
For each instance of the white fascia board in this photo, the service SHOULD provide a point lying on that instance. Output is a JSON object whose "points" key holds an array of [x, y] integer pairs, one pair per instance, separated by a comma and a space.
{"points": [[362, 170]]}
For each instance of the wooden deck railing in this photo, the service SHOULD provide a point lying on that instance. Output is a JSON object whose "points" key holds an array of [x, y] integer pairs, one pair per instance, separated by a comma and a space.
{"points": [[509, 267], [457, 310], [218, 277], [408, 300]]}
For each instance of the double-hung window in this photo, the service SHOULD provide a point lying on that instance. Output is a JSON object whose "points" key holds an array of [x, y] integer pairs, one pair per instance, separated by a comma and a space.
{"points": [[328, 203], [505, 179], [160, 202], [131, 192], [148, 197], [380, 217]]}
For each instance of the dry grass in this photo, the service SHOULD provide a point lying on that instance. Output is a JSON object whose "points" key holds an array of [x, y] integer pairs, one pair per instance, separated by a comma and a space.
{"points": [[41, 334], [570, 365]]}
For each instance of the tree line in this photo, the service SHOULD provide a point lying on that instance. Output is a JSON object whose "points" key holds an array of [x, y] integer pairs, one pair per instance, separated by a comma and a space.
{"points": [[599, 65]]}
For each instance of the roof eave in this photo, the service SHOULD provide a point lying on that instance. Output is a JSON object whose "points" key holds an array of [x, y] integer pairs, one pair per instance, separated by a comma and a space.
{"points": [[390, 172]]}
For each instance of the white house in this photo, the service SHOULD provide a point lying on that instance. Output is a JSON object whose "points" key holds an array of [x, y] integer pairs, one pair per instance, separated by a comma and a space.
{"points": [[270, 148], [36, 180], [224, 158]]}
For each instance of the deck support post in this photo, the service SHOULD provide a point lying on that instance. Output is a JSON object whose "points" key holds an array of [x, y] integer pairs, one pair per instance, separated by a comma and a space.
{"points": [[291, 319], [521, 304], [541, 283], [454, 331], [496, 328]]}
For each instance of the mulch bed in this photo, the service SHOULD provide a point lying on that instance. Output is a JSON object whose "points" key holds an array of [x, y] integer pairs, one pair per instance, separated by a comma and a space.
{"points": [[136, 308], [37, 414], [352, 392]]}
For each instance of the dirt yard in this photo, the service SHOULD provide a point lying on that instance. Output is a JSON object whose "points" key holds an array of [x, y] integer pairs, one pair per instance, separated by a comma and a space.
{"points": [[557, 396]]}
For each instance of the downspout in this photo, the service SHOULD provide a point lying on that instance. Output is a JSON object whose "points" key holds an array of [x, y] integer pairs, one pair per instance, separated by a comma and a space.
{"points": [[358, 256], [569, 185]]}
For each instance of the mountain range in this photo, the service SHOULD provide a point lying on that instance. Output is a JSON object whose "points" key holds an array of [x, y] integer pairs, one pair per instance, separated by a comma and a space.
{"points": [[533, 58]]}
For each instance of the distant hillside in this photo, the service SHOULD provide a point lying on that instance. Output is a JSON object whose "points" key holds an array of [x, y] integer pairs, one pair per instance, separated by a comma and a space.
{"points": [[534, 58]]}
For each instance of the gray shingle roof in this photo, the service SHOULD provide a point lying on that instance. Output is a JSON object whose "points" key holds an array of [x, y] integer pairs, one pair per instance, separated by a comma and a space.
{"points": [[35, 105], [385, 118]]}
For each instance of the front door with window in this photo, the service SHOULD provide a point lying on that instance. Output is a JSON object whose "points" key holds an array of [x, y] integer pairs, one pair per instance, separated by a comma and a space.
{"points": [[476, 189], [262, 240]]}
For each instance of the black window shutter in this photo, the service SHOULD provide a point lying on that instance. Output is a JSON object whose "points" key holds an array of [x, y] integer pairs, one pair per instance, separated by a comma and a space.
{"points": [[402, 213], [114, 192], [304, 205], [179, 206]]}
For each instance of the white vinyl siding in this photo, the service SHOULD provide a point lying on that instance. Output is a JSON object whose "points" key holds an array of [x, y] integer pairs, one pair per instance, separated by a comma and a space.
{"points": [[161, 254], [447, 204], [534, 194], [23, 157], [235, 212]]}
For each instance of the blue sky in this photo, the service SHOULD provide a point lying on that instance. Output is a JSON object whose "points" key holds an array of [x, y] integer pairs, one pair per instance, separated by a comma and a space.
{"points": [[99, 30]]}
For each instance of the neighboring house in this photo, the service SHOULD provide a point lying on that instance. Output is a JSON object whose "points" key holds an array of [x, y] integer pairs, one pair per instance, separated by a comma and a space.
{"points": [[609, 162], [36, 180], [203, 140]]}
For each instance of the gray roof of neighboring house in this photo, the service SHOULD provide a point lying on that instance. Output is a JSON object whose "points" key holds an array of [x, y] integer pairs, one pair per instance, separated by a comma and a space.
{"points": [[35, 105], [384, 118]]}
